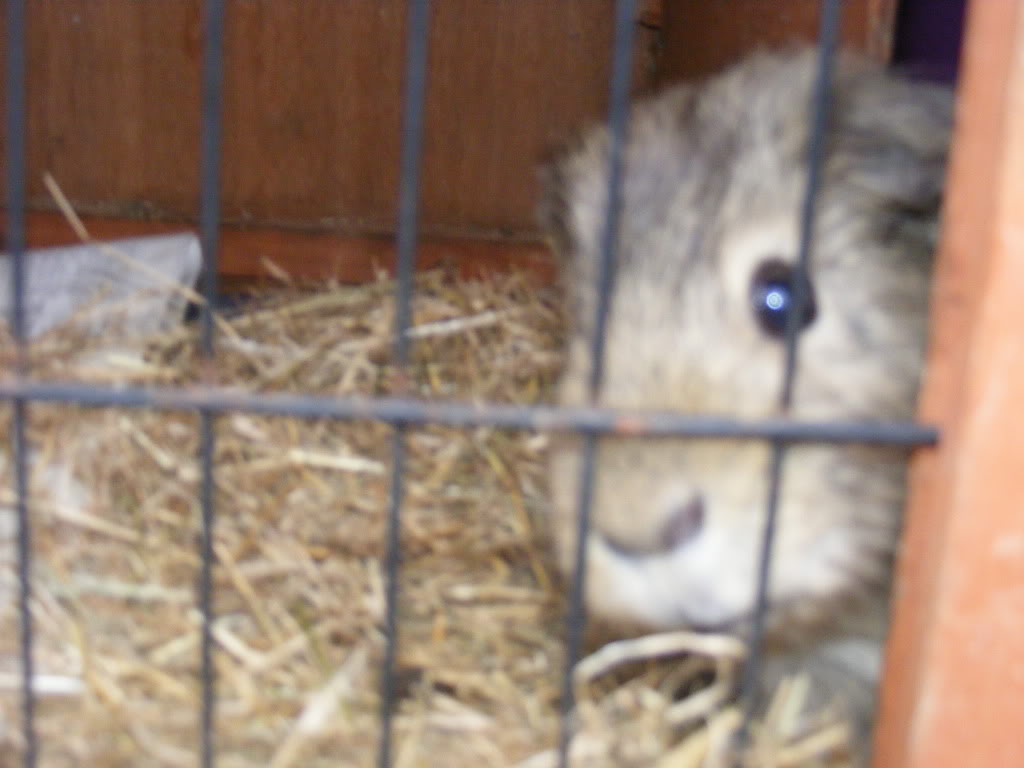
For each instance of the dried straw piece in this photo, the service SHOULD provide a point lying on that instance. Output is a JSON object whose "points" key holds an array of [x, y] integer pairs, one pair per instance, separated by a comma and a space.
{"points": [[299, 539]]}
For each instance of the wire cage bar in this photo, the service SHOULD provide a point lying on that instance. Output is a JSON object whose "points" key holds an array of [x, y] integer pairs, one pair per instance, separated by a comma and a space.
{"points": [[618, 119], [16, 181], [212, 131], [828, 38], [415, 95]]}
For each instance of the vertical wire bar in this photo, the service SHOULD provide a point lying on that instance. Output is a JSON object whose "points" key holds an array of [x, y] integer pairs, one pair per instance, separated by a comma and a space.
{"points": [[28, 699], [210, 161], [828, 36], [414, 100], [207, 669], [212, 131], [618, 122], [17, 29]]}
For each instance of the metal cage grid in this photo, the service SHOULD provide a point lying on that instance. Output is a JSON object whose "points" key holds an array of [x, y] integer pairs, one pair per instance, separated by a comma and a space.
{"points": [[401, 412]]}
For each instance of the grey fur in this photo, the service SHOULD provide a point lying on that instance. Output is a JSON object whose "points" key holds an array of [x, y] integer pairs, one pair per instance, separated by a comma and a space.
{"points": [[714, 177]]}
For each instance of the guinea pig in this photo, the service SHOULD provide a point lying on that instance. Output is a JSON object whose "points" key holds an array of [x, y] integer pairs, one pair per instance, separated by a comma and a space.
{"points": [[714, 177]]}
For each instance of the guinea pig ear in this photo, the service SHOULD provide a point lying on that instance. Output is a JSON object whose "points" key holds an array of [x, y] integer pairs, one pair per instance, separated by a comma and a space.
{"points": [[893, 139], [553, 212]]}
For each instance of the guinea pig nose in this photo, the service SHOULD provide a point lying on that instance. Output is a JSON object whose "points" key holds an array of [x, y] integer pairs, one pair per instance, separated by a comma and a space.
{"points": [[684, 524]]}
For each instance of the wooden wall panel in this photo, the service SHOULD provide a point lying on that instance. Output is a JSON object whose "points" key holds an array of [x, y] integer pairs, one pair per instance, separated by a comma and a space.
{"points": [[111, 92], [313, 106], [702, 37], [953, 693]]}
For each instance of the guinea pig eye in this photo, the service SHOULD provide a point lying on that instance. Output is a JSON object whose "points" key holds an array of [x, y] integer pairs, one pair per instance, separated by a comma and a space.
{"points": [[772, 290]]}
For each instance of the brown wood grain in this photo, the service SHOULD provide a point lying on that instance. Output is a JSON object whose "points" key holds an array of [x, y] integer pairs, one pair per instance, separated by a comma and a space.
{"points": [[313, 98], [953, 695], [702, 37]]}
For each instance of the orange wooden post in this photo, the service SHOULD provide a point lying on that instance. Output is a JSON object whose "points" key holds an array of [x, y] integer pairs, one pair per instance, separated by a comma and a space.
{"points": [[953, 694]]}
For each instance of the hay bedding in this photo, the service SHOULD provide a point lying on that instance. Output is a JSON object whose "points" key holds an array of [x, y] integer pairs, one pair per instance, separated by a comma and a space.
{"points": [[299, 540]]}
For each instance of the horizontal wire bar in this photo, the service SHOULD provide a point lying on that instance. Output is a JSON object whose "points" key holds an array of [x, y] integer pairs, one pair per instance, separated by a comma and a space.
{"points": [[393, 410]]}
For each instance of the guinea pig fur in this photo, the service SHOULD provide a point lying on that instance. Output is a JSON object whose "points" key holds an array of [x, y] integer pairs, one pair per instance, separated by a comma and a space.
{"points": [[714, 178]]}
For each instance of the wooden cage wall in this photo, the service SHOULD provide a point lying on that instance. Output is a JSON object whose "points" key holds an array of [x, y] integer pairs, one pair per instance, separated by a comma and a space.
{"points": [[313, 110], [953, 691]]}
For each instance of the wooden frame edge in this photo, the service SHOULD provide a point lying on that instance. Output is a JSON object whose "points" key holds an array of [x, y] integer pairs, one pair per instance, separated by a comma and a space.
{"points": [[250, 255], [953, 690]]}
